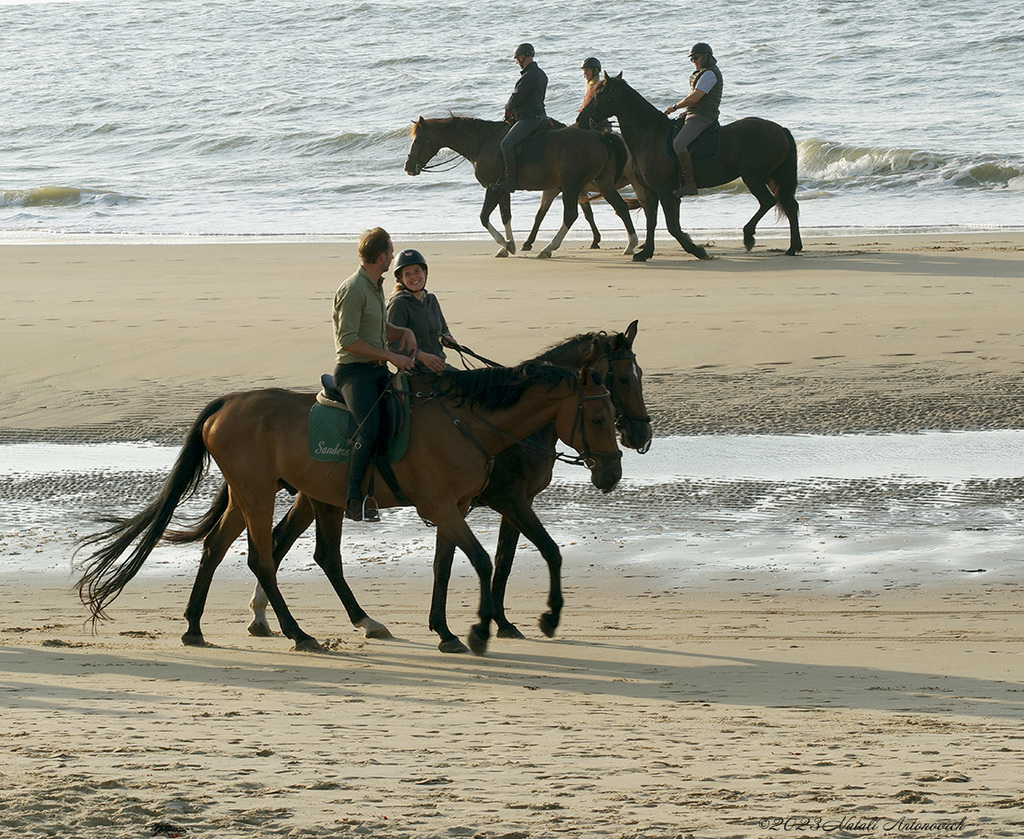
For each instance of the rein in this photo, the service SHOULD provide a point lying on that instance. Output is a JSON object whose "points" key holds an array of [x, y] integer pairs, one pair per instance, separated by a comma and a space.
{"points": [[436, 167]]}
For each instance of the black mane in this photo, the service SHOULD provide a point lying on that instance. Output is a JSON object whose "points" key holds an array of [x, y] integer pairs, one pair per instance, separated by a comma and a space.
{"points": [[495, 388]]}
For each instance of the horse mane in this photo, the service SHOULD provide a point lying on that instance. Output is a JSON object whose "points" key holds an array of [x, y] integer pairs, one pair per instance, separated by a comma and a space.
{"points": [[642, 100], [576, 351], [495, 388]]}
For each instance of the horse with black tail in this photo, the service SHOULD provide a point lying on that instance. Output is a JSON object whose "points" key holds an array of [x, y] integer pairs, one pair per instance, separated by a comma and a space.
{"points": [[572, 159], [260, 441], [761, 153]]}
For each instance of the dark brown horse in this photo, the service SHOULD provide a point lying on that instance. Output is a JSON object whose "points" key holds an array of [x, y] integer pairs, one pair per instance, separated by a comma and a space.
{"points": [[573, 159], [762, 153], [519, 474], [259, 439]]}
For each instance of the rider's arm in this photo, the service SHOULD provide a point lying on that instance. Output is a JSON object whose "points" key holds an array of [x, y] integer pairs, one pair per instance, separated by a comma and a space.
{"points": [[707, 80]]}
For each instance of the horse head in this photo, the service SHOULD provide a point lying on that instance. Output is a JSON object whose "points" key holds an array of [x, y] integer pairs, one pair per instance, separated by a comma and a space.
{"points": [[591, 431], [424, 147], [602, 104], [624, 382]]}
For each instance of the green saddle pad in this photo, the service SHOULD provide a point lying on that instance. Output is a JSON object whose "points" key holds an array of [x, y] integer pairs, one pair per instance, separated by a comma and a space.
{"points": [[330, 428]]}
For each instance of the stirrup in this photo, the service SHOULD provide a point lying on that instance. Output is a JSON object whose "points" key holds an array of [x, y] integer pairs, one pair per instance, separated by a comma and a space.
{"points": [[371, 512]]}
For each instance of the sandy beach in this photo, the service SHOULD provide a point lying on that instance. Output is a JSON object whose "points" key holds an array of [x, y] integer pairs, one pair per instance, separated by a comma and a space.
{"points": [[753, 704]]}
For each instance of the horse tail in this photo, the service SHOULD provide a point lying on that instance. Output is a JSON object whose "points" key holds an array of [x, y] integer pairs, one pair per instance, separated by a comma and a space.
{"points": [[617, 148], [104, 577], [783, 181], [202, 528]]}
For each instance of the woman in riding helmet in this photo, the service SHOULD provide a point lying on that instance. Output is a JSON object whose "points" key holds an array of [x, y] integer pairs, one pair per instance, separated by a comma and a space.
{"points": [[412, 306], [591, 68]]}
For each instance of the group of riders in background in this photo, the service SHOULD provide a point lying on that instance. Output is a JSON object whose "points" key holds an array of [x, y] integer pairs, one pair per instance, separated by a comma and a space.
{"points": [[525, 111]]}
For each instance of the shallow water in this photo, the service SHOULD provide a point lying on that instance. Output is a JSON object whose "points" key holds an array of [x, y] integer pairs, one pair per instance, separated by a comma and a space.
{"points": [[835, 510]]}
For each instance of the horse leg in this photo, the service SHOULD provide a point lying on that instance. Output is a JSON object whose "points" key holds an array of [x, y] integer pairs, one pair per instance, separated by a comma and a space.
{"points": [[670, 204], [650, 202], [570, 212], [295, 522], [452, 524], [215, 546], [545, 204], [618, 203], [759, 189], [444, 556], [328, 556], [491, 200], [504, 555], [588, 214], [525, 521], [259, 512]]}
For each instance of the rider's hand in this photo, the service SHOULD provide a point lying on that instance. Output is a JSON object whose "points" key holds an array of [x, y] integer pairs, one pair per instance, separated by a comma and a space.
{"points": [[402, 363], [432, 362]]}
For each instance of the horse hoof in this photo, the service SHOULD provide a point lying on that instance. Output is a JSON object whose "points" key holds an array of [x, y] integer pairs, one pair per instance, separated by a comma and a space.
{"points": [[308, 645], [510, 247], [527, 246], [748, 243], [544, 254], [453, 645], [377, 631], [595, 247], [478, 638], [641, 257], [548, 623], [259, 629], [194, 639], [510, 630], [501, 254]]}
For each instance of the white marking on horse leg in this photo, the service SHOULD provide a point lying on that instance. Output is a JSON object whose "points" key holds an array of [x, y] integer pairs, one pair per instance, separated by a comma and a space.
{"points": [[495, 234], [555, 243], [633, 241], [374, 629], [258, 607]]}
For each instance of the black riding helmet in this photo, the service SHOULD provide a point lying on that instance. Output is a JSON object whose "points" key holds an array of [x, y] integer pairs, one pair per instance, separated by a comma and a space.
{"points": [[700, 48], [410, 256], [524, 49], [591, 64]]}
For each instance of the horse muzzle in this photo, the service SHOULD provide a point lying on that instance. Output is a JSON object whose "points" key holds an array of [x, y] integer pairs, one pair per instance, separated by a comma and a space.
{"points": [[412, 167]]}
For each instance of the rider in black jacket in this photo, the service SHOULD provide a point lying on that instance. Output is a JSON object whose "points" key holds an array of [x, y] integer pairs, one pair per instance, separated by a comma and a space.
{"points": [[524, 109]]}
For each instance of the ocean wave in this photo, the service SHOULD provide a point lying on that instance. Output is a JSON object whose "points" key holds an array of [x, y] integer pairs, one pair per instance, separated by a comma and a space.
{"points": [[834, 164], [62, 196]]}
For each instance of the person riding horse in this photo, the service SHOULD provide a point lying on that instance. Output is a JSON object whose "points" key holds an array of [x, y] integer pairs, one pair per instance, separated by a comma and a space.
{"points": [[361, 333], [524, 109], [701, 106], [412, 306], [591, 68]]}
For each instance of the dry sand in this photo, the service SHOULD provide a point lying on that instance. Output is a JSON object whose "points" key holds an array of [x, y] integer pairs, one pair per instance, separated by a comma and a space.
{"points": [[754, 707]]}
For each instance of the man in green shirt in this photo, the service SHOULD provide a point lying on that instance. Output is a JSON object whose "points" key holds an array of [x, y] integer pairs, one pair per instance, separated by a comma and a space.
{"points": [[361, 333]]}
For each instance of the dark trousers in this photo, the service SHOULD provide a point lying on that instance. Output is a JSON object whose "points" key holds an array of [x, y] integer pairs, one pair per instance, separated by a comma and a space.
{"points": [[362, 385]]}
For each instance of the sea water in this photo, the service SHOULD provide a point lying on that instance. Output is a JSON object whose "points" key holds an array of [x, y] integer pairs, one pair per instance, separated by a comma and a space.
{"points": [[292, 117], [947, 503]]}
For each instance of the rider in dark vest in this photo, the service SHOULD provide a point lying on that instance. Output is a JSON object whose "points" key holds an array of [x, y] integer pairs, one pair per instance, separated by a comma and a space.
{"points": [[702, 105], [524, 109]]}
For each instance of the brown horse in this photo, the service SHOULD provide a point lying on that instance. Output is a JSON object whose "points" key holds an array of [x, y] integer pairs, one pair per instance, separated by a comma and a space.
{"points": [[519, 474], [259, 439], [573, 158], [762, 153]]}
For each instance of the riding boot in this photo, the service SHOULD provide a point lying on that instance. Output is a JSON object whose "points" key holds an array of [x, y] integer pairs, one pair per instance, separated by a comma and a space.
{"points": [[359, 459], [509, 183], [687, 183]]}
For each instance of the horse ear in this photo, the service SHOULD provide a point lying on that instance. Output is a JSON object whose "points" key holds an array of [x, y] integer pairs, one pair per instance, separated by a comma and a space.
{"points": [[620, 75], [630, 332], [421, 121]]}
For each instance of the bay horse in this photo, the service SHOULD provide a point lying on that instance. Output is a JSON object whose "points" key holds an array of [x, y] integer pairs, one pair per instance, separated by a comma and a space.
{"points": [[573, 159], [259, 439], [762, 153], [519, 474]]}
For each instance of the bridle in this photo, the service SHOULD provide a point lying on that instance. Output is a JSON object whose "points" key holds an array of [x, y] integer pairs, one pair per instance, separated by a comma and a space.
{"points": [[622, 416]]}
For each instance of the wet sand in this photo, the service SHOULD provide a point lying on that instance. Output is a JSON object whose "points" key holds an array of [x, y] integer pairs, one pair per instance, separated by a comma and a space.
{"points": [[751, 703]]}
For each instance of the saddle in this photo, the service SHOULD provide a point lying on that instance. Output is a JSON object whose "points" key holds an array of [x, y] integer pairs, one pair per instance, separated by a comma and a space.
{"points": [[707, 145], [331, 426], [535, 146]]}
